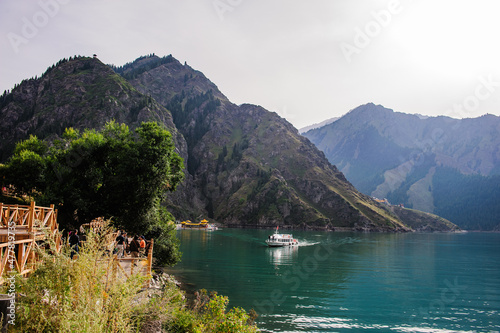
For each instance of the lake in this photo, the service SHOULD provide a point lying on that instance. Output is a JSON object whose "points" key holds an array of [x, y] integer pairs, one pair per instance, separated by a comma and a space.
{"points": [[345, 282]]}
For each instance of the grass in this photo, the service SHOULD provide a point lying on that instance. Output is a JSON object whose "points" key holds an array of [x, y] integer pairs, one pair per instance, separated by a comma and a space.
{"points": [[81, 295]]}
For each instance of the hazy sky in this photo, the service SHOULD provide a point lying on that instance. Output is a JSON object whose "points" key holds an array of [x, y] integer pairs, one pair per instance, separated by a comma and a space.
{"points": [[306, 60]]}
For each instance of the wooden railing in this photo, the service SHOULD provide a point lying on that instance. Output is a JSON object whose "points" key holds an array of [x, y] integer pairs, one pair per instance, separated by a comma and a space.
{"points": [[20, 227], [123, 267], [127, 266]]}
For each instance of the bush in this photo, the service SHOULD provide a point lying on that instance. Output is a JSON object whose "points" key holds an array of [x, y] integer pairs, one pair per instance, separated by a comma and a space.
{"points": [[83, 295], [209, 314], [79, 295]]}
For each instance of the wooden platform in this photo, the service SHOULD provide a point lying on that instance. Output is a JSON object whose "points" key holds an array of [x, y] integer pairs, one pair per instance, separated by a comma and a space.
{"points": [[24, 226], [20, 228], [127, 266]]}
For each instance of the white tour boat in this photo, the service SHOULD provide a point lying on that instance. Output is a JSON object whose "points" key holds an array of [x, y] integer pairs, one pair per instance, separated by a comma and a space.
{"points": [[278, 240]]}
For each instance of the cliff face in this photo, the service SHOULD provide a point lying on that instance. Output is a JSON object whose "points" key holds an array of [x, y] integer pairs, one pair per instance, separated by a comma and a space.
{"points": [[244, 164], [252, 166]]}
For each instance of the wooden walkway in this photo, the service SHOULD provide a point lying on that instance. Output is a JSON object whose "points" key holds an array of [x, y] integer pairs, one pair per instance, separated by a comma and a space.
{"points": [[22, 226], [127, 266]]}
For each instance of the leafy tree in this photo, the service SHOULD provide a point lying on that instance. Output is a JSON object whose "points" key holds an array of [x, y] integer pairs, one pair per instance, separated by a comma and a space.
{"points": [[32, 144], [26, 165], [113, 173], [27, 168]]}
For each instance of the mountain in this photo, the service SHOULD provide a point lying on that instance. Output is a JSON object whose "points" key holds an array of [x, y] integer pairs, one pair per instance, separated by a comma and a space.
{"points": [[440, 165], [317, 125], [244, 165], [80, 92], [251, 166]]}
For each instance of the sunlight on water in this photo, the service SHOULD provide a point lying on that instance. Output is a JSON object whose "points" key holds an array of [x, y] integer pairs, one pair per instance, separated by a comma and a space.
{"points": [[427, 330]]}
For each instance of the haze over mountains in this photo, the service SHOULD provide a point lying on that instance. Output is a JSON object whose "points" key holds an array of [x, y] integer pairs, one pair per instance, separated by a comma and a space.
{"points": [[442, 165], [318, 125], [244, 164]]}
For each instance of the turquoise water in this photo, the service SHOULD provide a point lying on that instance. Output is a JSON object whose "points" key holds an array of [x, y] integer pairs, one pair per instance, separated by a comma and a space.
{"points": [[351, 282]]}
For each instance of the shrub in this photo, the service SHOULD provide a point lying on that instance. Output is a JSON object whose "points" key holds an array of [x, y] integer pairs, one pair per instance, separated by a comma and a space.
{"points": [[79, 295], [209, 314], [83, 295]]}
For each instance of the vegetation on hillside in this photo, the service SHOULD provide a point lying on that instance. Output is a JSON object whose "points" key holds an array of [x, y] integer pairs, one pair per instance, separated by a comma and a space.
{"points": [[129, 71], [419, 169], [108, 173], [474, 203], [182, 108], [422, 221]]}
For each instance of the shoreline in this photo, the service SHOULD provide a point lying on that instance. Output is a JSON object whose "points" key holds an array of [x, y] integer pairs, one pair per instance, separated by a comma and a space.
{"points": [[179, 281], [340, 229]]}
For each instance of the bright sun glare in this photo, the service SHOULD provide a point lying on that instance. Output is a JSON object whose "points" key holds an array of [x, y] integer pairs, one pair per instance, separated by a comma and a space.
{"points": [[456, 38]]}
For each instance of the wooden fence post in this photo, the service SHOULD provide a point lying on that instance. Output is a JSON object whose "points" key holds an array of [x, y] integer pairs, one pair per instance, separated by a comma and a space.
{"points": [[20, 256], [150, 257], [31, 216], [10, 214], [51, 221]]}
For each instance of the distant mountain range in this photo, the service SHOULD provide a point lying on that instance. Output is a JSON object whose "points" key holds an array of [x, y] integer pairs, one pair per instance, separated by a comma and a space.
{"points": [[244, 165], [446, 166], [318, 125]]}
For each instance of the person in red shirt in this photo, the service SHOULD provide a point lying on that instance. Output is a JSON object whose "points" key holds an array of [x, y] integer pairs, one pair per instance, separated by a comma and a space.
{"points": [[142, 245]]}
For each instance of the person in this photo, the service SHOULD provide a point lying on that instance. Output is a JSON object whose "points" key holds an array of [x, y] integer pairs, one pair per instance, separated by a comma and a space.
{"points": [[126, 247], [134, 247], [74, 242], [120, 245], [142, 245]]}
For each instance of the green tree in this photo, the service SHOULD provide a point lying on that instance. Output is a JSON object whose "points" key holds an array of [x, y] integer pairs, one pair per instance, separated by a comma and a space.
{"points": [[26, 167], [32, 144], [113, 173]]}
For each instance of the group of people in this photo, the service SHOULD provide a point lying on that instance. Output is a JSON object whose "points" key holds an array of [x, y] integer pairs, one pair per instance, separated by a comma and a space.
{"points": [[137, 246]]}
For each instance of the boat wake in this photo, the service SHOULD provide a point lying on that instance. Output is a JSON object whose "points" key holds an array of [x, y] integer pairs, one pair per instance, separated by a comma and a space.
{"points": [[303, 242], [347, 240]]}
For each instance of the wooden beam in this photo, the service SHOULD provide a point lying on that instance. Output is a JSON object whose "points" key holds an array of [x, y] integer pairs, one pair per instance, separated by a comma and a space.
{"points": [[31, 216], [150, 257]]}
